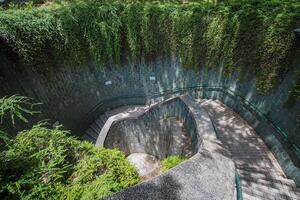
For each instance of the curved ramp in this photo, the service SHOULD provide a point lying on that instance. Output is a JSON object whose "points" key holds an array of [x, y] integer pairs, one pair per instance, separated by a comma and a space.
{"points": [[261, 176]]}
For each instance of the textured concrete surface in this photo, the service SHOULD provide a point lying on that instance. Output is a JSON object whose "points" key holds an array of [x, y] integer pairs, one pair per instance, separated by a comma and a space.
{"points": [[160, 129], [75, 96], [180, 141], [205, 176], [103, 123], [261, 175], [157, 137]]}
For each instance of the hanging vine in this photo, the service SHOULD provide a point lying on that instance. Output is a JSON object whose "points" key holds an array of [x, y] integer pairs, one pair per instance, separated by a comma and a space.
{"points": [[251, 37]]}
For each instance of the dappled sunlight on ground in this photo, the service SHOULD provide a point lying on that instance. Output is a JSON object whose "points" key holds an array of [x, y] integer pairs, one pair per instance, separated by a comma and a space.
{"points": [[261, 175]]}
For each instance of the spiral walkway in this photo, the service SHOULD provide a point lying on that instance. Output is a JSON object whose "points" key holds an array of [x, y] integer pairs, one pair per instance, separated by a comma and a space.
{"points": [[261, 176]]}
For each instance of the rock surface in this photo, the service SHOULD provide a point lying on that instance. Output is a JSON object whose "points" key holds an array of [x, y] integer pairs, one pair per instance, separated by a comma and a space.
{"points": [[147, 165]]}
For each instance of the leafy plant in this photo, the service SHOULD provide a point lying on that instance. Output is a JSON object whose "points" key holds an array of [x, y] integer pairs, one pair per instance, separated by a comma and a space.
{"points": [[252, 37], [16, 107], [172, 161], [4, 139], [43, 163], [48, 163]]}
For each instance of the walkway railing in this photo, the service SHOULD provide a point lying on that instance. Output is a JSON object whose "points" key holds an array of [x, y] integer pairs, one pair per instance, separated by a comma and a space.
{"points": [[239, 192], [283, 135]]}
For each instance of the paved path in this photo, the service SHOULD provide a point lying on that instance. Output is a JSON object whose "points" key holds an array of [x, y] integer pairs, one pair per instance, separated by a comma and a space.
{"points": [[261, 175]]}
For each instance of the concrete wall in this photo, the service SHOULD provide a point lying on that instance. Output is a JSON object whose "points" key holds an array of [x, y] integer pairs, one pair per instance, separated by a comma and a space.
{"points": [[151, 132], [75, 96]]}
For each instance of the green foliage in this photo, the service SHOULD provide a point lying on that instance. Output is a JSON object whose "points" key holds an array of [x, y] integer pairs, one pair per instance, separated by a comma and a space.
{"points": [[253, 38], [172, 161], [22, 4], [16, 107], [96, 27], [4, 139], [44, 163], [133, 19], [12, 108], [28, 33]]}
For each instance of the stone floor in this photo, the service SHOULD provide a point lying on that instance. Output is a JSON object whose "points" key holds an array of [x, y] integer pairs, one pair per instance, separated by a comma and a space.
{"points": [[261, 175]]}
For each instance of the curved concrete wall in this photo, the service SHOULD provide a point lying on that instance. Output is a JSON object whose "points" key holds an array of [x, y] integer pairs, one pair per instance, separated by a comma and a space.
{"points": [[151, 131], [72, 94], [75, 96]]}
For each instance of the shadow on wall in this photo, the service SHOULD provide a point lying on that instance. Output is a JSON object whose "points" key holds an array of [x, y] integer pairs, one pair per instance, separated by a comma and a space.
{"points": [[75, 96], [165, 129]]}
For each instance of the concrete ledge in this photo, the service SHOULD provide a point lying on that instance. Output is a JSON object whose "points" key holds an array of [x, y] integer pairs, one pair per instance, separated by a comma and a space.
{"points": [[204, 124], [133, 114], [205, 176], [153, 131]]}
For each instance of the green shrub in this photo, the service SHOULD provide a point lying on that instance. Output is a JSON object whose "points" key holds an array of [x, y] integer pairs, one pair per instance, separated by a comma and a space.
{"points": [[43, 163], [251, 37], [172, 161], [16, 107], [48, 163]]}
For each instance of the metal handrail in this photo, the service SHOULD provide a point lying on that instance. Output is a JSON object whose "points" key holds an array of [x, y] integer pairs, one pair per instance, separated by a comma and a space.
{"points": [[239, 192]]}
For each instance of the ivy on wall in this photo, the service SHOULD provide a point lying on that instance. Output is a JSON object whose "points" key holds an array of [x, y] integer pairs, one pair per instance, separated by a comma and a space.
{"points": [[251, 37]]}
